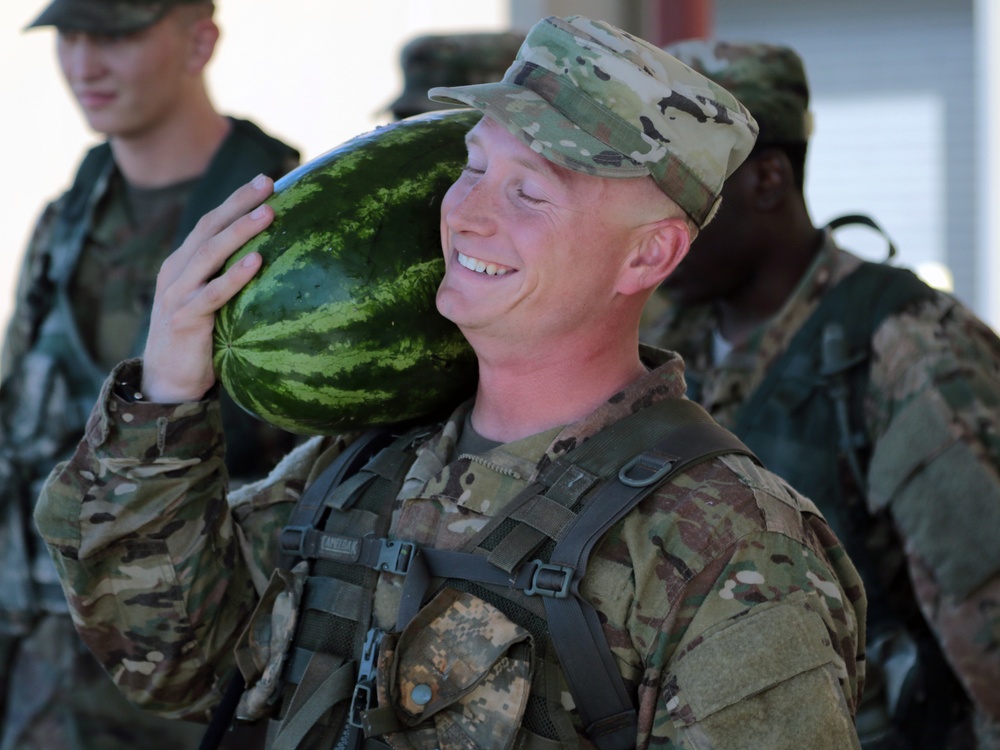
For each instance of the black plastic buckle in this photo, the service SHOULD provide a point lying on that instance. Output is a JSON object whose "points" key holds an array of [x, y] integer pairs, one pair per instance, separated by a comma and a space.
{"points": [[544, 584], [295, 546], [394, 556], [362, 700], [363, 697]]}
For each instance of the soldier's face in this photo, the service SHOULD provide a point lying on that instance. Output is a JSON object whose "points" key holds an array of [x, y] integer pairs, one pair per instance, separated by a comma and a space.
{"points": [[721, 259], [533, 252], [128, 84]]}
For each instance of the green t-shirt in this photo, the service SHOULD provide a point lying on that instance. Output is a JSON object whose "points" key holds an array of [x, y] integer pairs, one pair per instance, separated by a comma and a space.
{"points": [[112, 288]]}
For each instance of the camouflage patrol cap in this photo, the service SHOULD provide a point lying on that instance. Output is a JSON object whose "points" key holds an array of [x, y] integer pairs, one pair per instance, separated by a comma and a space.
{"points": [[106, 16], [597, 100], [451, 60], [769, 79]]}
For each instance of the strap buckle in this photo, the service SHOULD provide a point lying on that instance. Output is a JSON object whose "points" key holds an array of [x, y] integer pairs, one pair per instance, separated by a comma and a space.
{"points": [[550, 580], [293, 540], [394, 556], [363, 698]]}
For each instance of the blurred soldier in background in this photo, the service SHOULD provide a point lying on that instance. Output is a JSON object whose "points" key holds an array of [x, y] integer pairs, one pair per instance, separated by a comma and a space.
{"points": [[873, 394], [451, 60], [136, 69]]}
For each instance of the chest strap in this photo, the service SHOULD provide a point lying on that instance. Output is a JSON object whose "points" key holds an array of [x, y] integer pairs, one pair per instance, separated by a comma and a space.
{"points": [[602, 479], [682, 434]]}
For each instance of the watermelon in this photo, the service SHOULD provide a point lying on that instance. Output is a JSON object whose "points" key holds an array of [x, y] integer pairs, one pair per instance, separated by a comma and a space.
{"points": [[338, 331]]}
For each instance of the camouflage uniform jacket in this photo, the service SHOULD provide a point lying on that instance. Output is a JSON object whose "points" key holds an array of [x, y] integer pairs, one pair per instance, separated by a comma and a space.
{"points": [[734, 615], [932, 413], [53, 694]]}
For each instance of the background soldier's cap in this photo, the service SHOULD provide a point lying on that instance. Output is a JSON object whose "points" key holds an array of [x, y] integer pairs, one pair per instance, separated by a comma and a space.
{"points": [[595, 99], [769, 79], [104, 16], [451, 60]]}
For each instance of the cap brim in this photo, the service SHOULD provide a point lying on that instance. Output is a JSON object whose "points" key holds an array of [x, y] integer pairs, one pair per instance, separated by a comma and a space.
{"points": [[83, 18], [543, 128], [413, 102]]}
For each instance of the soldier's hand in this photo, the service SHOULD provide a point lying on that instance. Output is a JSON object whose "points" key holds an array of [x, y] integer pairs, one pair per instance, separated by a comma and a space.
{"points": [[178, 357]]}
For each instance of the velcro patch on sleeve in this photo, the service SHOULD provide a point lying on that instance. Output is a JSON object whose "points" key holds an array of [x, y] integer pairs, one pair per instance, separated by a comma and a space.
{"points": [[767, 646]]}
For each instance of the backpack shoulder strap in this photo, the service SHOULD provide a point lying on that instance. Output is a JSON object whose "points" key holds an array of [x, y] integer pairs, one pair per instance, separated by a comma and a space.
{"points": [[305, 516], [858, 304], [307, 511], [619, 468], [681, 434], [605, 707]]}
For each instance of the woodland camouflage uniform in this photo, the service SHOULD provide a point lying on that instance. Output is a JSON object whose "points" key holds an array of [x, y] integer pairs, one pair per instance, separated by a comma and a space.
{"points": [[43, 394], [733, 614], [931, 458], [83, 299]]}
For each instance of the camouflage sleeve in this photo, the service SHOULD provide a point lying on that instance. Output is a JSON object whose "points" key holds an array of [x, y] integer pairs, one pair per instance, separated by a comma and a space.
{"points": [[158, 576], [935, 413], [33, 268], [758, 636]]}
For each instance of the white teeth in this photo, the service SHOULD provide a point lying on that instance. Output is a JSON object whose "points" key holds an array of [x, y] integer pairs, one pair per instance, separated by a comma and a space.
{"points": [[480, 266]]}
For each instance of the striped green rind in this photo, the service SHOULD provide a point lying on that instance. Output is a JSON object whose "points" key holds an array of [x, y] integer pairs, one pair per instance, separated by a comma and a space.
{"points": [[338, 331]]}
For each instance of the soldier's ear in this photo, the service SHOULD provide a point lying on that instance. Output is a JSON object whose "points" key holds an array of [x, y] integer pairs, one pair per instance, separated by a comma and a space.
{"points": [[204, 36], [772, 178], [661, 247]]}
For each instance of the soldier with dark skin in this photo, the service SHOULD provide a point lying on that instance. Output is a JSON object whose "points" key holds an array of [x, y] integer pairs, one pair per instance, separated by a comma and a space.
{"points": [[786, 344], [136, 69], [730, 615]]}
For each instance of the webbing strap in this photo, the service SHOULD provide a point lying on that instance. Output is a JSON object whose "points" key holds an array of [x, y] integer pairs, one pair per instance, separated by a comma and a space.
{"points": [[605, 708], [309, 508], [604, 453], [325, 683], [323, 680], [682, 434]]}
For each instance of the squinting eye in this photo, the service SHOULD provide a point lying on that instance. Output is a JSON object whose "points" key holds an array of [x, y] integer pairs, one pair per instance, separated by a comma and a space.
{"points": [[524, 196], [469, 169]]}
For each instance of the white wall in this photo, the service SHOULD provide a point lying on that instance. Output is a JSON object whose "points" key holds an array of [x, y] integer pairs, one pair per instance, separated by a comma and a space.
{"points": [[987, 23], [314, 73], [894, 87]]}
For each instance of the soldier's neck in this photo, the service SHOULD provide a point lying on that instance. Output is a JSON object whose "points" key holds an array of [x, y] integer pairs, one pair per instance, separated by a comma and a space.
{"points": [[177, 149], [768, 289]]}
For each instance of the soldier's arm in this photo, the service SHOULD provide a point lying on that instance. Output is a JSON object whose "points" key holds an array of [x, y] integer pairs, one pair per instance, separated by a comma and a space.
{"points": [[935, 417], [152, 564], [758, 640]]}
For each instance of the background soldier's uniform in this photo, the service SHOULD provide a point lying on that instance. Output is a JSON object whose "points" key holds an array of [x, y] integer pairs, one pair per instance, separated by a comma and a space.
{"points": [[922, 394], [82, 305], [694, 586]]}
